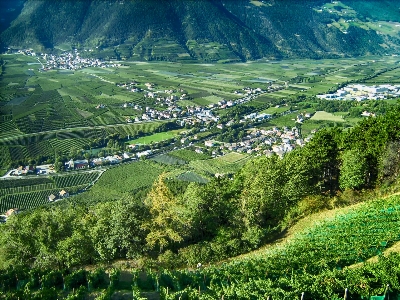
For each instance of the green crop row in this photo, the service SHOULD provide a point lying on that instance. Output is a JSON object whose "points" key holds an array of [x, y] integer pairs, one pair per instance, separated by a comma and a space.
{"points": [[75, 179]]}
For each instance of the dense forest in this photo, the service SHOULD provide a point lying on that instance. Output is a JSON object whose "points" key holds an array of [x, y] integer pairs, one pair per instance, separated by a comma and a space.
{"points": [[172, 227], [207, 30]]}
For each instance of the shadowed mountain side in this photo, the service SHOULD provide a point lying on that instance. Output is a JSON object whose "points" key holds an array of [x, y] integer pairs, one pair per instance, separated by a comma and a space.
{"points": [[208, 30]]}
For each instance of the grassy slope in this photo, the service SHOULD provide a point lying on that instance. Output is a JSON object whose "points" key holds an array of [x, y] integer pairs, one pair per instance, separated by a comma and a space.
{"points": [[312, 221]]}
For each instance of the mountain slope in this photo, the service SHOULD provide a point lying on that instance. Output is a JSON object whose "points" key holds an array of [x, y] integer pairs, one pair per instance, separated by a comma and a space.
{"points": [[209, 30]]}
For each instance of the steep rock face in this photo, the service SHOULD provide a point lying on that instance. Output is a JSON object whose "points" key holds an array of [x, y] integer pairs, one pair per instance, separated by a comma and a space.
{"points": [[208, 30]]}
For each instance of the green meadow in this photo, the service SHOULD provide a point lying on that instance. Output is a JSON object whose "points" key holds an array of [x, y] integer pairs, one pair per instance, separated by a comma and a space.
{"points": [[156, 137]]}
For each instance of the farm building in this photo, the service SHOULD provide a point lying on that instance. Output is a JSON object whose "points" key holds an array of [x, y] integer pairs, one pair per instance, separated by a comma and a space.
{"points": [[77, 164], [63, 194]]}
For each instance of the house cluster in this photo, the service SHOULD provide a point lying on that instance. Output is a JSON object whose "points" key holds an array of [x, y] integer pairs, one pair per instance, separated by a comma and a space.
{"points": [[257, 91], [248, 95], [198, 115], [130, 86], [300, 118], [189, 114], [72, 61], [76, 164], [264, 142], [61, 195], [9, 213], [23, 170], [249, 91], [31, 170], [111, 159], [360, 92], [52, 197], [28, 52], [257, 116], [108, 160], [153, 114]]}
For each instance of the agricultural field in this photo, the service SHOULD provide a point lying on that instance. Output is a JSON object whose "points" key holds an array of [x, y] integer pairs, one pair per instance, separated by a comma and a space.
{"points": [[199, 167], [31, 192], [120, 181], [227, 164], [188, 155], [191, 177], [44, 114], [376, 224], [325, 116], [275, 110], [390, 76], [168, 160], [156, 137], [32, 145]]}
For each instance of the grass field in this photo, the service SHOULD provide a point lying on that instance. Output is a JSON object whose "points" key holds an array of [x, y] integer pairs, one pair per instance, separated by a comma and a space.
{"points": [[275, 110], [188, 155], [227, 164], [325, 116], [157, 137], [232, 157], [123, 180], [168, 160]]}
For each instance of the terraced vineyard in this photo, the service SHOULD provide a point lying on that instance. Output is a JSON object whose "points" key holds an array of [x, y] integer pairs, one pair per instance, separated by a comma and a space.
{"points": [[76, 179], [310, 258], [25, 147], [26, 200], [27, 193]]}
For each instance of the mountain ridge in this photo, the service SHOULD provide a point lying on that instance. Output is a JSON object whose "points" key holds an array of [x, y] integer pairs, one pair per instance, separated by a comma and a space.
{"points": [[209, 30]]}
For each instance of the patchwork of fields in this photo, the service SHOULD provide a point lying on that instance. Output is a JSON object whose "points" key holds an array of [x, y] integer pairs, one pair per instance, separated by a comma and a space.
{"points": [[43, 114]]}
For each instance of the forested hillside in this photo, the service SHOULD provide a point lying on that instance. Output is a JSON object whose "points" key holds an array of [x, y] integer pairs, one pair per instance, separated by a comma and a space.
{"points": [[208, 30], [174, 228]]}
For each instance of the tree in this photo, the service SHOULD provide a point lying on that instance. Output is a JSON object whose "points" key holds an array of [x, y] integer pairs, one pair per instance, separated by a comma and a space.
{"points": [[208, 207], [76, 250], [322, 157], [353, 172], [165, 225], [390, 162], [121, 220]]}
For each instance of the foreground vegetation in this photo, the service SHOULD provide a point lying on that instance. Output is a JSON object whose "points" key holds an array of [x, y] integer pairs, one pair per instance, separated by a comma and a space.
{"points": [[173, 226]]}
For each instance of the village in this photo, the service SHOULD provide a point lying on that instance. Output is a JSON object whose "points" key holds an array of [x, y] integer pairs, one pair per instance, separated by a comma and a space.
{"points": [[360, 92], [258, 142], [67, 61], [171, 104], [185, 115]]}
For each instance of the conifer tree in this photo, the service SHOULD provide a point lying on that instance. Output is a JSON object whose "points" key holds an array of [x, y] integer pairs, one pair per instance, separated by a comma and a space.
{"points": [[166, 225]]}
